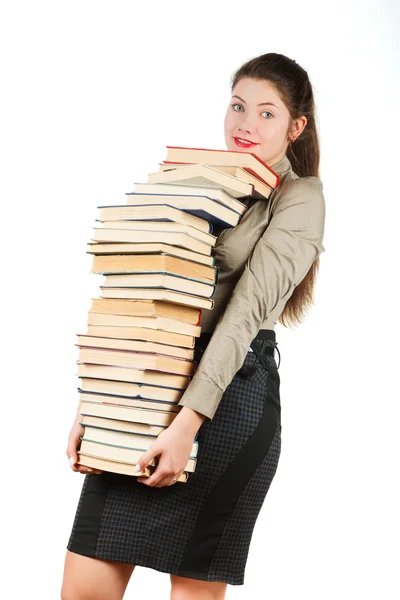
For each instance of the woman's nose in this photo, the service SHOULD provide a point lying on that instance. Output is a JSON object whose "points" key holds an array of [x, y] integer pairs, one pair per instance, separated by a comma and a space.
{"points": [[246, 126]]}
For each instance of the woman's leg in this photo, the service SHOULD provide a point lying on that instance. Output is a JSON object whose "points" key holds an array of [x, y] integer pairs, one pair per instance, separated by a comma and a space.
{"points": [[88, 578], [184, 588]]}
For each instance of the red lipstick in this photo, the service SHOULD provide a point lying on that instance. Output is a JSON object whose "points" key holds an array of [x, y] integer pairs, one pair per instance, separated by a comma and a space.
{"points": [[244, 145]]}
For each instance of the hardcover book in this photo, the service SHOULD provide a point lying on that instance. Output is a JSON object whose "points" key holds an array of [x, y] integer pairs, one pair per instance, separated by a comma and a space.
{"points": [[200, 206], [203, 175], [154, 212], [237, 158]]}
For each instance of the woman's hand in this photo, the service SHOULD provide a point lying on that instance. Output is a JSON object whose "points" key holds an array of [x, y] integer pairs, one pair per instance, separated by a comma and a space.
{"points": [[73, 442], [173, 446]]}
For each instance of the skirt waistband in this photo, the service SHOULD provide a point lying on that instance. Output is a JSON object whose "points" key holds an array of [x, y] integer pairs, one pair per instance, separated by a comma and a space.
{"points": [[264, 334]]}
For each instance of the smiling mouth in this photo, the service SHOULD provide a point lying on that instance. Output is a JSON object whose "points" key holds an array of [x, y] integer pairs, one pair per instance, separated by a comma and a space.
{"points": [[242, 142]]}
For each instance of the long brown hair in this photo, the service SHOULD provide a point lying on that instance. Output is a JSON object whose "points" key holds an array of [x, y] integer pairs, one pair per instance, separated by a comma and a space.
{"points": [[293, 85]]}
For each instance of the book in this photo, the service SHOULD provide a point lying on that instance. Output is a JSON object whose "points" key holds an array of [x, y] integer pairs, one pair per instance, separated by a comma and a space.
{"points": [[155, 226], [91, 341], [137, 360], [158, 294], [155, 212], [158, 323], [261, 189], [140, 403], [155, 378], [106, 248], [121, 468], [153, 263], [122, 454], [236, 158], [141, 333], [187, 193], [135, 441], [126, 413], [203, 175], [130, 427], [202, 206], [173, 238], [165, 279], [130, 390], [146, 308]]}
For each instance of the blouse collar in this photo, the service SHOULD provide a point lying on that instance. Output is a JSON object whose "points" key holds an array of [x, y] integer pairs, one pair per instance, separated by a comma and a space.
{"points": [[282, 166]]}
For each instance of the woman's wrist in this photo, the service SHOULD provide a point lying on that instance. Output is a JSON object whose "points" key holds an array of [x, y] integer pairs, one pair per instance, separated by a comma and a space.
{"points": [[189, 419]]}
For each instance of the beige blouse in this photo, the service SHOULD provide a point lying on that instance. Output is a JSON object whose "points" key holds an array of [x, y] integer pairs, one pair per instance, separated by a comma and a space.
{"points": [[260, 261]]}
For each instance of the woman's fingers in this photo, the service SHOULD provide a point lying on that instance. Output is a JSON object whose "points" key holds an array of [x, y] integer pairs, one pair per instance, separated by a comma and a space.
{"points": [[162, 482], [90, 471], [161, 476], [154, 478], [73, 458], [167, 481], [153, 451], [72, 447], [85, 470]]}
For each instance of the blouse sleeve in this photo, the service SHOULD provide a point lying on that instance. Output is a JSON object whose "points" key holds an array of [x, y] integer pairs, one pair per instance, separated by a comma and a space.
{"points": [[280, 261]]}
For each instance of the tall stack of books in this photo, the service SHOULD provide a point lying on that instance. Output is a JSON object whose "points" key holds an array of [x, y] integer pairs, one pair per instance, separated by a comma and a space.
{"points": [[155, 252]]}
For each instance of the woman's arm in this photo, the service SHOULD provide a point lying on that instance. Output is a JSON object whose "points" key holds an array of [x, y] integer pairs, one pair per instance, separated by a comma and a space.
{"points": [[280, 260], [189, 420]]}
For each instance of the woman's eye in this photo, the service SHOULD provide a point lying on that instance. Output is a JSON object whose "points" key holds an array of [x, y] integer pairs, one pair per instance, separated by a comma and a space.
{"points": [[263, 113]]}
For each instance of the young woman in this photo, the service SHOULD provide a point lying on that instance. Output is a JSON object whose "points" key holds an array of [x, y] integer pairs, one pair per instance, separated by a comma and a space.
{"points": [[200, 532]]}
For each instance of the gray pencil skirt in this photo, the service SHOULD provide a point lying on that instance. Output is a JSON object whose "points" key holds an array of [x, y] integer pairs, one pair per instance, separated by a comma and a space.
{"points": [[200, 529]]}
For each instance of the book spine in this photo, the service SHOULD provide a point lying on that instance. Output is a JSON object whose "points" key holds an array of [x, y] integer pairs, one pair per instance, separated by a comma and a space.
{"points": [[213, 292]]}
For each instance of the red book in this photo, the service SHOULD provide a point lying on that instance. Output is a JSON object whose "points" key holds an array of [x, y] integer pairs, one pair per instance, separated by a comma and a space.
{"points": [[230, 158]]}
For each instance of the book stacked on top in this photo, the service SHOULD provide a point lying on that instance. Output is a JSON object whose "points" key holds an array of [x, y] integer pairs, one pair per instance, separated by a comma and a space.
{"points": [[155, 252]]}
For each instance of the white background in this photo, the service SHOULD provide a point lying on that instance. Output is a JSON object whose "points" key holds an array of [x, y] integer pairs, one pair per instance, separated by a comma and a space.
{"points": [[91, 93]]}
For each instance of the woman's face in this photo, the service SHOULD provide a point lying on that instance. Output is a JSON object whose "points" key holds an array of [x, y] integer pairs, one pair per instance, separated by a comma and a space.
{"points": [[257, 114]]}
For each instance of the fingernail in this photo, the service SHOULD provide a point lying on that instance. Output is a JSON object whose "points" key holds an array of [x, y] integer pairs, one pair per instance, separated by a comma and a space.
{"points": [[137, 468], [71, 461], [89, 470]]}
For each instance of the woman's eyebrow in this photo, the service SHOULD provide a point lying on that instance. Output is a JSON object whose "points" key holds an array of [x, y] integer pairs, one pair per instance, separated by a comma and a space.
{"points": [[262, 103]]}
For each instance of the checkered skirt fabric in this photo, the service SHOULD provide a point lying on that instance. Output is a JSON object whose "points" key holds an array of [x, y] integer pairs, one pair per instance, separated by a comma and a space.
{"points": [[200, 529]]}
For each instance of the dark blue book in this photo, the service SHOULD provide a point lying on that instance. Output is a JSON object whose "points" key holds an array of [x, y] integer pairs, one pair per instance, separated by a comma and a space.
{"points": [[203, 207]]}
